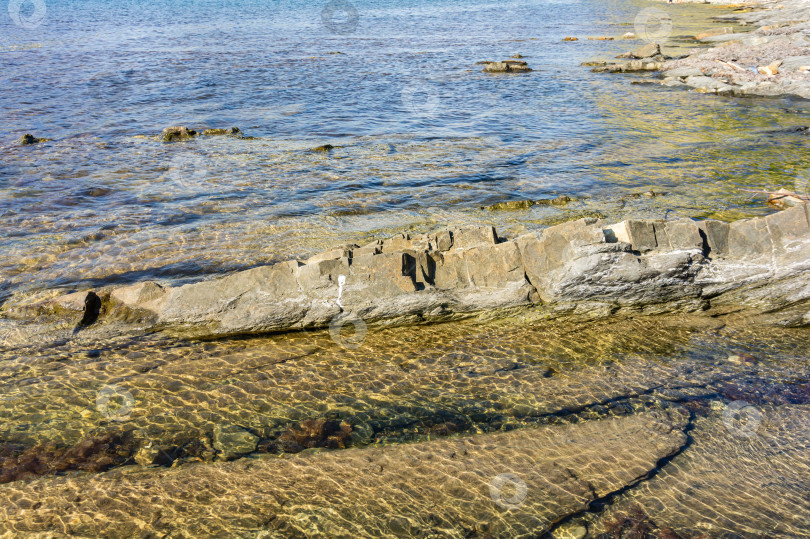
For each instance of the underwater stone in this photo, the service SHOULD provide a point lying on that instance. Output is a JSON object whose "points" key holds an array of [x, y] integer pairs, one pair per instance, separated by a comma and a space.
{"points": [[233, 441]]}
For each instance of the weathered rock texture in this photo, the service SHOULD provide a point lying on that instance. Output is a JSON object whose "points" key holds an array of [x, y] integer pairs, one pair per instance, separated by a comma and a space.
{"points": [[645, 58], [449, 488], [771, 60], [581, 267]]}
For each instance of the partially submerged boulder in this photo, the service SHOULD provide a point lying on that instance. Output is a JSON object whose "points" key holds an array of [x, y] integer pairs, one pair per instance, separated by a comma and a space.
{"points": [[506, 66], [176, 134], [561, 200], [233, 132], [646, 51], [29, 139]]}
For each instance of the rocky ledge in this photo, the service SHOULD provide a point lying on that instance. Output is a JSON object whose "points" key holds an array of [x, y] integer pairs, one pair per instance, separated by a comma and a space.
{"points": [[771, 60], [584, 267]]}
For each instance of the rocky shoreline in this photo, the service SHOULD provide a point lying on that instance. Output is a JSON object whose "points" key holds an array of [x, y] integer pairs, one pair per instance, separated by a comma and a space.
{"points": [[586, 267], [772, 60]]}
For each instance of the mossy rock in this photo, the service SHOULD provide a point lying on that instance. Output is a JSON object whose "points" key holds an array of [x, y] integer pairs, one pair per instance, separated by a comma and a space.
{"points": [[510, 205], [29, 139], [232, 132], [177, 134]]}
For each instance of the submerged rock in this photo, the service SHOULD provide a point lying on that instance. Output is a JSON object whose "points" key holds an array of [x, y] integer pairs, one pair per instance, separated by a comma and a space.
{"points": [[510, 205], [233, 441], [714, 32], [151, 454], [731, 492], [561, 200], [576, 531], [513, 484]]}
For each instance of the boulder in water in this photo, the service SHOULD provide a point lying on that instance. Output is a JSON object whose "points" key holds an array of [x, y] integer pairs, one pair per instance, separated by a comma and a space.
{"points": [[232, 132], [29, 139], [176, 134], [233, 441], [506, 66]]}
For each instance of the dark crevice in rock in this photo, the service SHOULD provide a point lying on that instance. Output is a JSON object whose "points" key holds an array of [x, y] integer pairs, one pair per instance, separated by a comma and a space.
{"points": [[92, 309]]}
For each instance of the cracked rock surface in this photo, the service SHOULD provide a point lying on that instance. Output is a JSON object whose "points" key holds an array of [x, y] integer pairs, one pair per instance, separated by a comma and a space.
{"points": [[584, 266]]}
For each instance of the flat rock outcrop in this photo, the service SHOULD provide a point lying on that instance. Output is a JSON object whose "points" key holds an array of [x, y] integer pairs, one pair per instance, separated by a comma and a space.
{"points": [[773, 59], [585, 267], [514, 484]]}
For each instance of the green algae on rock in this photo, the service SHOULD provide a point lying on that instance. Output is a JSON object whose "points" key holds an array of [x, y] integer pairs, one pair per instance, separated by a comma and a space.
{"points": [[28, 139], [233, 131], [177, 134]]}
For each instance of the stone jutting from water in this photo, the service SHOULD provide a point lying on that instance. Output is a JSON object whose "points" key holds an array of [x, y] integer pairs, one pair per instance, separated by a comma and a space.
{"points": [[506, 66], [580, 267], [233, 132], [175, 134], [29, 139]]}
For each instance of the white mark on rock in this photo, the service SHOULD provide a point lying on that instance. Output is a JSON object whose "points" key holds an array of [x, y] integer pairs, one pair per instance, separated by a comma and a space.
{"points": [[341, 282]]}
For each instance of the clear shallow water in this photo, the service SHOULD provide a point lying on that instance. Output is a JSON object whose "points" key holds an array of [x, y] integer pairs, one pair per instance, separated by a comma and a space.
{"points": [[537, 398], [422, 138]]}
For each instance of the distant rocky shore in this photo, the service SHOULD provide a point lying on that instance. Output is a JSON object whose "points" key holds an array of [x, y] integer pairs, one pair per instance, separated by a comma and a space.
{"points": [[585, 268], [771, 60]]}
